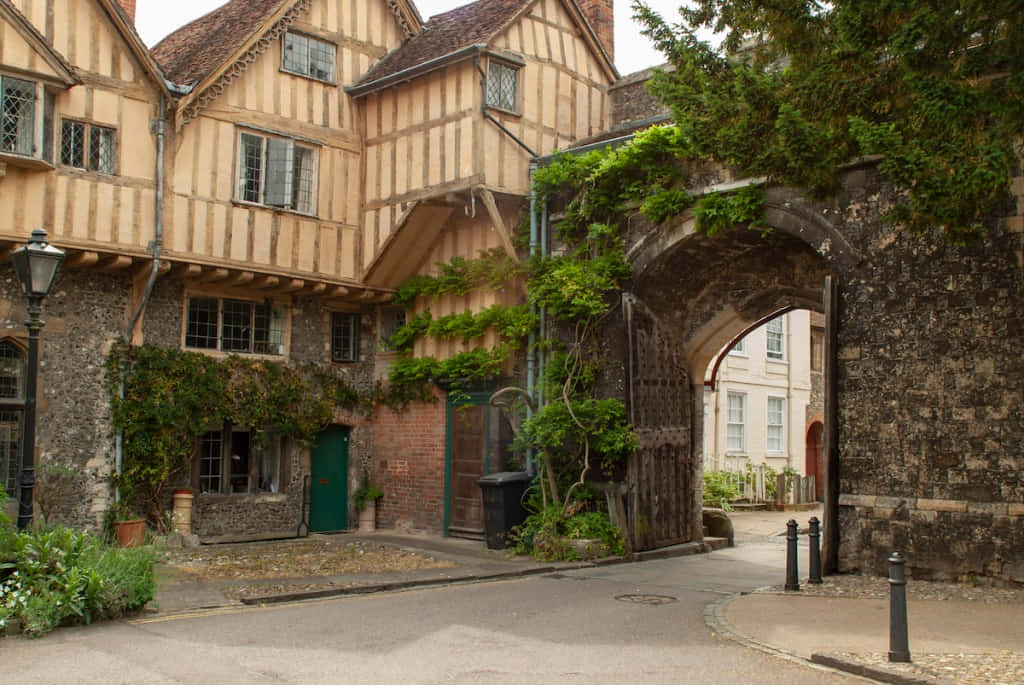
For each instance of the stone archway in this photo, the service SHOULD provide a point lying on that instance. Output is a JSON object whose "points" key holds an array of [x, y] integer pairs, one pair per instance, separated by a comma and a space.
{"points": [[705, 292]]}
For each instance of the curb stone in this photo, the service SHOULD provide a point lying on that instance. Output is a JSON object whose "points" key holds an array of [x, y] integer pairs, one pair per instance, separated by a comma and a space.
{"points": [[714, 618], [875, 673]]}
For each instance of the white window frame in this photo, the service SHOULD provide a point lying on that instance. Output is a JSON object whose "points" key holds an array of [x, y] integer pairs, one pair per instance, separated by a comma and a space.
{"points": [[740, 348], [277, 327], [391, 319], [779, 354], [497, 72], [293, 42], [730, 422], [779, 427], [285, 194], [39, 145]]}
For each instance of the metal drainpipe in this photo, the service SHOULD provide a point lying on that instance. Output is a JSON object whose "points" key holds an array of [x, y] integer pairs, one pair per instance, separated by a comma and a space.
{"points": [[160, 129], [531, 353], [543, 361]]}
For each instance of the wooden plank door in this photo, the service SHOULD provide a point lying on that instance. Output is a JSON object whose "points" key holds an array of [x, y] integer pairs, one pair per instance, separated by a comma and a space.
{"points": [[468, 462], [328, 492], [659, 476]]}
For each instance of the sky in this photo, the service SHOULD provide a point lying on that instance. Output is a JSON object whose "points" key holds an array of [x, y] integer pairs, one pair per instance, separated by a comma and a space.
{"points": [[157, 18]]}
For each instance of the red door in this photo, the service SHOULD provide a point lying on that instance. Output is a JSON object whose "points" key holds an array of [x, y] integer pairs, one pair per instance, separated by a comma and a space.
{"points": [[815, 459]]}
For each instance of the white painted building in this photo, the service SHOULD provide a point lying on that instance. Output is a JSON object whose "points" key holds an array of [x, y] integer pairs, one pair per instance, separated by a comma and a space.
{"points": [[755, 402]]}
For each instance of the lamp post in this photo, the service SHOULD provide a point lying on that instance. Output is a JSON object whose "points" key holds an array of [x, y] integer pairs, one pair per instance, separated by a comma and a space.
{"points": [[36, 265]]}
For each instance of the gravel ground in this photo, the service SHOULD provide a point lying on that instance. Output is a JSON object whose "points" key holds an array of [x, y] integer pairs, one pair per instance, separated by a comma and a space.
{"points": [[995, 668], [304, 558]]}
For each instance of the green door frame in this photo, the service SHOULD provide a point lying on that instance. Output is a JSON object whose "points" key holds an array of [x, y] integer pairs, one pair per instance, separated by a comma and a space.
{"points": [[452, 403]]}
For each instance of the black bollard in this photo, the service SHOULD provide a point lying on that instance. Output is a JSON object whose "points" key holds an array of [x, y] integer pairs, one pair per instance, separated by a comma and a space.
{"points": [[815, 560], [792, 575], [899, 646]]}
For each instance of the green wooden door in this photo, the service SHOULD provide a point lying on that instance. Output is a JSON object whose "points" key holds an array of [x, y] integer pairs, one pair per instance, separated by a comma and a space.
{"points": [[328, 492]]}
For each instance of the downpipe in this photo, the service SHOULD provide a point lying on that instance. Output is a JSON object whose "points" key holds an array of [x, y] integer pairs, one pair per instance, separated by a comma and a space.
{"points": [[160, 129]]}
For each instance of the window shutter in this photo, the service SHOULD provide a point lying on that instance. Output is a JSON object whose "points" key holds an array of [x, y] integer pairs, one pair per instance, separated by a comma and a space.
{"points": [[279, 177]]}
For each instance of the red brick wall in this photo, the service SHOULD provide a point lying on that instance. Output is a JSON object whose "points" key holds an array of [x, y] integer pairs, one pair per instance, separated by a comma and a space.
{"points": [[408, 464], [599, 14]]}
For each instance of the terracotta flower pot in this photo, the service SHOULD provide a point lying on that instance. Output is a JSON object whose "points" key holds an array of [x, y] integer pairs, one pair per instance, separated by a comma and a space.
{"points": [[130, 533], [368, 517]]}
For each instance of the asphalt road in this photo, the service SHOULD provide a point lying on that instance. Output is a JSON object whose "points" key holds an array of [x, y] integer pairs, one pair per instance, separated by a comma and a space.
{"points": [[629, 623]]}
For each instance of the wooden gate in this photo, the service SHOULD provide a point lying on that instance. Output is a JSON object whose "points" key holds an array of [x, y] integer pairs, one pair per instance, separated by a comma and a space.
{"points": [[659, 480]]}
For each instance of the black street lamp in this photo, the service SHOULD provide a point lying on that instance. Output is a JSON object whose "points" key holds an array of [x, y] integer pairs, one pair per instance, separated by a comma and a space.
{"points": [[36, 265]]}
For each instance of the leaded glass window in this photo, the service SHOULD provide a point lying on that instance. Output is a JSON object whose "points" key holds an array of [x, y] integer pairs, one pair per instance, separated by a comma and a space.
{"points": [[309, 56], [12, 395], [17, 115], [502, 86], [277, 172], [85, 146]]}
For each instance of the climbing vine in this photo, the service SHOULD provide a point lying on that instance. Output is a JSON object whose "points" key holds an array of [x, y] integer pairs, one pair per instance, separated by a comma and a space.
{"points": [[163, 400]]}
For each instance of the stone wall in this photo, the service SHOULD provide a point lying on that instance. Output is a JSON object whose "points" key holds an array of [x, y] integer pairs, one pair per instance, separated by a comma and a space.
{"points": [[930, 381], [84, 314]]}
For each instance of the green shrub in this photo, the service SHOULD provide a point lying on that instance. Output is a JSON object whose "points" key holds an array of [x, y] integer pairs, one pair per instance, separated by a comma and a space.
{"points": [[545, 535], [719, 489], [57, 576]]}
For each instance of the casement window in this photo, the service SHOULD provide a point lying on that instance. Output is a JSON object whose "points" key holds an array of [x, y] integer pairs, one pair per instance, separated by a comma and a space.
{"points": [[26, 128], [391, 319], [503, 86], [12, 412], [308, 56], [85, 146], [231, 462], [775, 338], [277, 172], [740, 348], [736, 425], [237, 326], [775, 425], [344, 337]]}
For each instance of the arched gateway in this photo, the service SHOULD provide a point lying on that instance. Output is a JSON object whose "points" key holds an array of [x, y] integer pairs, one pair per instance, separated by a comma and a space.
{"points": [[920, 415]]}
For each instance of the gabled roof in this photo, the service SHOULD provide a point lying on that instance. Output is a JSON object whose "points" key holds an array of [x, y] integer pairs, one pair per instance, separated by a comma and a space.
{"points": [[194, 51], [443, 34], [63, 72], [454, 35]]}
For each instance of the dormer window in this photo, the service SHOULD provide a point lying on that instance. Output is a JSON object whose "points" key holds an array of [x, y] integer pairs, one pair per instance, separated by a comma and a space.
{"points": [[25, 127], [309, 57], [503, 86]]}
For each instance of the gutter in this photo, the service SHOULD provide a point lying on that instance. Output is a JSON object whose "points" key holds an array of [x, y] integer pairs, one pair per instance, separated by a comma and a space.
{"points": [[415, 70]]}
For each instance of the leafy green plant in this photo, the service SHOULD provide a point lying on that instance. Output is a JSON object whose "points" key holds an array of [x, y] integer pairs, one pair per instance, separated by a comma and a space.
{"points": [[546, 534], [163, 400], [719, 489], [366, 492], [57, 576]]}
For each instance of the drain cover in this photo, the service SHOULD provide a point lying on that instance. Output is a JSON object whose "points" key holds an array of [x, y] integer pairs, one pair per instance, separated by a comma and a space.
{"points": [[652, 600]]}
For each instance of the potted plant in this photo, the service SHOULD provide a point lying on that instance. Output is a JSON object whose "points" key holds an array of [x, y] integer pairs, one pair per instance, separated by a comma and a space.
{"points": [[129, 529], [366, 496]]}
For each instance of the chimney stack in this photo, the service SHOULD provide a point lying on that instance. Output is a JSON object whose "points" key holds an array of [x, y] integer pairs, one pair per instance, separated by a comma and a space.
{"points": [[599, 14], [129, 8]]}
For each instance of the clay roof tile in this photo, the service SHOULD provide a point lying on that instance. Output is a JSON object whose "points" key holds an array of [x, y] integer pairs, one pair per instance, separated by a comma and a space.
{"points": [[446, 33], [195, 50]]}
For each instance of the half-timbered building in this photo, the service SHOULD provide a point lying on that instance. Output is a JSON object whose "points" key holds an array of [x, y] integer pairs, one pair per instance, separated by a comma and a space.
{"points": [[258, 184]]}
